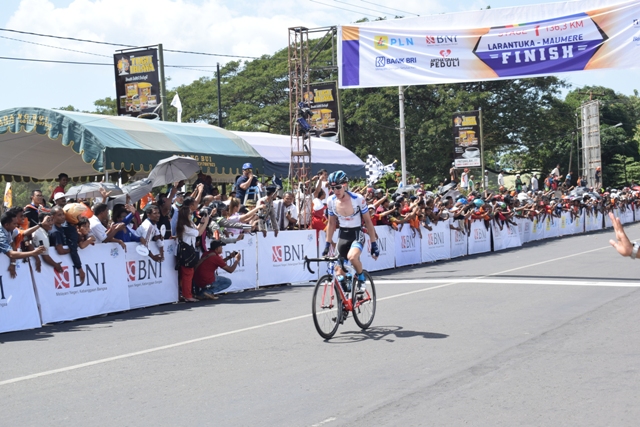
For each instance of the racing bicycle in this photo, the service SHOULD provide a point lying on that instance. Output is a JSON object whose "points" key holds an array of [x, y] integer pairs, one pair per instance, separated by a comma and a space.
{"points": [[332, 303]]}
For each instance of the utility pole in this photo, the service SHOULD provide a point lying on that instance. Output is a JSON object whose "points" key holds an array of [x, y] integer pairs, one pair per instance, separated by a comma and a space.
{"points": [[403, 157], [163, 87], [219, 101]]}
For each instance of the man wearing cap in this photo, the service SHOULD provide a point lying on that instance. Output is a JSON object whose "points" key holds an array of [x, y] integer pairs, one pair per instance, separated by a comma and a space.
{"points": [[59, 199], [205, 278], [266, 211], [245, 181]]}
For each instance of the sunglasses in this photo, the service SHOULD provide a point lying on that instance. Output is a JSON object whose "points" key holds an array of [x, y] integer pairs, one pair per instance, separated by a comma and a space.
{"points": [[335, 187]]}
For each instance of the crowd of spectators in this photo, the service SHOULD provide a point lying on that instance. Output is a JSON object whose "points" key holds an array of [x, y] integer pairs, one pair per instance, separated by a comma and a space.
{"points": [[209, 214]]}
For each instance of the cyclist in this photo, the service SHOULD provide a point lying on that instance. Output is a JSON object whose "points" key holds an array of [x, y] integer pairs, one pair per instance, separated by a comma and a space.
{"points": [[350, 212]]}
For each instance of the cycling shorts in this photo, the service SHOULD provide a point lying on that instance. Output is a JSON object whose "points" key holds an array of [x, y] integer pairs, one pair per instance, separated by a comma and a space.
{"points": [[350, 238]]}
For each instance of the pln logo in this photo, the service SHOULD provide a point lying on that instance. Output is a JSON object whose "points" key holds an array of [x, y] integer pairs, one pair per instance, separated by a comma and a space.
{"points": [[131, 271], [381, 42], [62, 279], [276, 253]]}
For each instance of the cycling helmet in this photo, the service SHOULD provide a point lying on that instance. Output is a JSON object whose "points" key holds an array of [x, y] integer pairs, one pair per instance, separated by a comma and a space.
{"points": [[462, 201], [478, 202], [337, 178]]}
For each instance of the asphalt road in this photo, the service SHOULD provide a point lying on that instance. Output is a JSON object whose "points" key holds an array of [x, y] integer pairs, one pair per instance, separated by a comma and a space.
{"points": [[545, 335]]}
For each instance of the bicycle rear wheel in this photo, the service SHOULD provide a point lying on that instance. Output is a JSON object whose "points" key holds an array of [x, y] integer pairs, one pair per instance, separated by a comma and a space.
{"points": [[365, 304], [327, 307]]}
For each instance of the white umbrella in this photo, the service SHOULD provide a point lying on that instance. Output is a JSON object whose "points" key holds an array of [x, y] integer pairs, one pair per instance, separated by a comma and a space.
{"points": [[173, 169], [92, 189], [135, 190]]}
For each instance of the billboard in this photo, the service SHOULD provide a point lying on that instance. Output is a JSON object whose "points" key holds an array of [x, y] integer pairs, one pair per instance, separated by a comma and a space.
{"points": [[137, 82], [323, 101], [508, 43], [466, 139]]}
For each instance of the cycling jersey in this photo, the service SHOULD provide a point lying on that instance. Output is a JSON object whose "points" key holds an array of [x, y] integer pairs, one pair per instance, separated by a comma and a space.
{"points": [[359, 207]]}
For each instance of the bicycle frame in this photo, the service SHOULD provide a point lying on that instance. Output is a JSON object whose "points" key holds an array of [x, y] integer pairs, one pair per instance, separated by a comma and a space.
{"points": [[349, 303]]}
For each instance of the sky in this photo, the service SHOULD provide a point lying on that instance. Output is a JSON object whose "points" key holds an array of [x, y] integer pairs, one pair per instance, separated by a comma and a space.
{"points": [[222, 27]]}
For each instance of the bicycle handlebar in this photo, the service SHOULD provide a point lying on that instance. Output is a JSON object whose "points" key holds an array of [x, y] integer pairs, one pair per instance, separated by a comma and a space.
{"points": [[307, 261]]}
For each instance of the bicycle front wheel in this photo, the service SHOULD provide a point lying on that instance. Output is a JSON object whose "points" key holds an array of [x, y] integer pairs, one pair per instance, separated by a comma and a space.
{"points": [[365, 304], [327, 307]]}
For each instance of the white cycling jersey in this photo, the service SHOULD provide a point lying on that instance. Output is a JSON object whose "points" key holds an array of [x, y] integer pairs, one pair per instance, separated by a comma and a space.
{"points": [[359, 207]]}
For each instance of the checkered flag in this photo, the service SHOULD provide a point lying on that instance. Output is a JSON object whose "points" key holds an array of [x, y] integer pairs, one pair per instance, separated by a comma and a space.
{"points": [[375, 169]]}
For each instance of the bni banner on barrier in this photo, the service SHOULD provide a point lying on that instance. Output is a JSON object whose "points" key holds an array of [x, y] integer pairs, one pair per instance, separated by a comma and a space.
{"points": [[524, 41], [18, 308], [407, 247], [151, 282], [63, 297], [479, 238], [459, 242], [505, 238], [245, 276], [281, 259], [386, 245], [436, 244]]}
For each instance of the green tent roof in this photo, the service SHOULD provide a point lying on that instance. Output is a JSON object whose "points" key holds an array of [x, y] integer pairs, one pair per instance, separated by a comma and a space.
{"points": [[41, 143]]}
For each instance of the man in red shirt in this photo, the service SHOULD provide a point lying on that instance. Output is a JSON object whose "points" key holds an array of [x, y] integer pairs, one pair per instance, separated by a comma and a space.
{"points": [[63, 180], [205, 275]]}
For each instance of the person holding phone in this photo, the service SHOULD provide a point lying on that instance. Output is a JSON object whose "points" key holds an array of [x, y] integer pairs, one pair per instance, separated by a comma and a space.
{"points": [[207, 282]]}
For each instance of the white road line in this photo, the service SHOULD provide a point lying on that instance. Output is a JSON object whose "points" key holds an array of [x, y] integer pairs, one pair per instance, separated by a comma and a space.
{"points": [[327, 421], [278, 322], [515, 282]]}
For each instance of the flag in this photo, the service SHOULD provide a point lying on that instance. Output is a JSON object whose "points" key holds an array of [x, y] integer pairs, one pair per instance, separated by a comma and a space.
{"points": [[176, 103], [375, 169], [8, 199]]}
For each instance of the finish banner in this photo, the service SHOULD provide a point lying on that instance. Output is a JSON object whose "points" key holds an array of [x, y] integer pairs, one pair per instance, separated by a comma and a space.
{"points": [[137, 82], [509, 43]]}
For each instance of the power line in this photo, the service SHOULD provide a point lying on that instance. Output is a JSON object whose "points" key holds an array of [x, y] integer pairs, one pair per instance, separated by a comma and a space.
{"points": [[390, 8], [121, 45], [186, 67], [54, 47], [342, 8], [361, 7]]}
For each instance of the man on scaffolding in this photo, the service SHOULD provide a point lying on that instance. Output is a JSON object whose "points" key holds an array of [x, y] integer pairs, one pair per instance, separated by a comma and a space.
{"points": [[350, 212]]}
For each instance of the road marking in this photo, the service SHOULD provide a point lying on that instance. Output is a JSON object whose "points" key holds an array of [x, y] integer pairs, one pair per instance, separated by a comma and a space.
{"points": [[278, 322], [514, 282], [327, 421]]}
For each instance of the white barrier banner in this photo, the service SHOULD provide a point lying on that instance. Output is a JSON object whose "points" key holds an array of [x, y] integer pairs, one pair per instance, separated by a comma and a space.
{"points": [[480, 238], [151, 282], [508, 237], [607, 220], [537, 229], [18, 308], [244, 277], [436, 244], [386, 244], [407, 247], [459, 243], [104, 290], [626, 215], [281, 259], [551, 227], [636, 213], [578, 223], [566, 224], [524, 227], [593, 221]]}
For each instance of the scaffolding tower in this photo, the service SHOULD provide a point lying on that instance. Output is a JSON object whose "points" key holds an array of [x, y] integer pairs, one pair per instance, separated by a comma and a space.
{"points": [[591, 152], [298, 86]]}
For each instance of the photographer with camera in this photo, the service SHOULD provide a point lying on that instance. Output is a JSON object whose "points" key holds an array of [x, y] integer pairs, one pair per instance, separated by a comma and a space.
{"points": [[207, 282]]}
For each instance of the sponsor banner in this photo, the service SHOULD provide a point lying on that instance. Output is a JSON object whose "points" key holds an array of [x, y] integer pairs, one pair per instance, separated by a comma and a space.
{"points": [[526, 41], [245, 275], [525, 226], [386, 244], [607, 220], [626, 215], [578, 223], [407, 247], [151, 282], [137, 82], [479, 238], [436, 244], [566, 224], [18, 307], [104, 290], [537, 229], [551, 227], [466, 137], [508, 237], [593, 221], [281, 259], [323, 102], [459, 242]]}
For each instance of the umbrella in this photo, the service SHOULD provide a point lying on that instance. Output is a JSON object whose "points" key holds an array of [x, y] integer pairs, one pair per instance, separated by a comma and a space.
{"points": [[173, 169], [446, 188], [135, 190], [578, 191], [92, 189]]}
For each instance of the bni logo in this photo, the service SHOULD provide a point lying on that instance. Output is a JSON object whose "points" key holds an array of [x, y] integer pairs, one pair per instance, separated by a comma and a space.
{"points": [[381, 61], [131, 270], [62, 279], [276, 252]]}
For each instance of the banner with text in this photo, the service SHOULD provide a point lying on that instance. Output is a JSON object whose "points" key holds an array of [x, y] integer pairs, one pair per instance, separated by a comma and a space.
{"points": [[436, 244], [407, 247], [459, 243], [245, 276], [466, 137], [151, 282], [63, 297], [281, 259], [323, 102], [505, 238], [551, 227], [137, 82], [18, 307], [386, 244], [479, 238], [509, 43]]}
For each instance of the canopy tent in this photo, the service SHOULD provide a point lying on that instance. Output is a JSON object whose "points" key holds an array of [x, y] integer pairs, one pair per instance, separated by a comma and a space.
{"points": [[276, 152], [41, 143]]}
